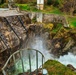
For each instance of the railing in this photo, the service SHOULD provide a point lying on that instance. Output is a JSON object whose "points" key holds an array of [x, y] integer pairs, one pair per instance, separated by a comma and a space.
{"points": [[19, 55]]}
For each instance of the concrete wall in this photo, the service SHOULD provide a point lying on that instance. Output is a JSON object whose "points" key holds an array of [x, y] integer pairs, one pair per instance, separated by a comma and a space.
{"points": [[49, 18]]}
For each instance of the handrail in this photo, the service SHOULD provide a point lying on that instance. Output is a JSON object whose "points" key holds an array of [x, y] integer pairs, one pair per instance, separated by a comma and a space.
{"points": [[19, 51], [9, 59]]}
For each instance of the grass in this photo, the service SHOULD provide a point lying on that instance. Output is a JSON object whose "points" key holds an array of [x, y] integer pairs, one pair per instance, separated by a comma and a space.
{"points": [[31, 7], [27, 7], [3, 5], [72, 21], [58, 26], [56, 68], [47, 9], [55, 11], [23, 6]]}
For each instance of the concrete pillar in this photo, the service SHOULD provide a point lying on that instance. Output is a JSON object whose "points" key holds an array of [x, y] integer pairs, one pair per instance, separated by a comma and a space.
{"points": [[40, 4]]}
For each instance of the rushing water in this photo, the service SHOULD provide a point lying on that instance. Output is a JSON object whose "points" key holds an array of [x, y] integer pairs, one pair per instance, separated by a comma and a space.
{"points": [[68, 59], [40, 45]]}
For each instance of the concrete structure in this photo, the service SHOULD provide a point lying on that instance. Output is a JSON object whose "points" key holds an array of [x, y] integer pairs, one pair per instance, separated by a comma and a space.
{"points": [[40, 4]]}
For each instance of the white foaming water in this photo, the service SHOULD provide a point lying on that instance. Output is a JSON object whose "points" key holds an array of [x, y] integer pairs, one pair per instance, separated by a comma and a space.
{"points": [[37, 44], [68, 59], [40, 45]]}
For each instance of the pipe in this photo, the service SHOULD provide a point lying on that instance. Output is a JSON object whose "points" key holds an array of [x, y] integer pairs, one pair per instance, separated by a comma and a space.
{"points": [[20, 20], [8, 23]]}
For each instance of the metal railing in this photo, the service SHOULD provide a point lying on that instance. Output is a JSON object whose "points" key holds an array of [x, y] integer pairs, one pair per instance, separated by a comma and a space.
{"points": [[15, 59]]}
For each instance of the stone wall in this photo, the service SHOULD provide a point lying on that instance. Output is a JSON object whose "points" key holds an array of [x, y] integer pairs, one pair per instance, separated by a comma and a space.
{"points": [[10, 40], [22, 1], [49, 18]]}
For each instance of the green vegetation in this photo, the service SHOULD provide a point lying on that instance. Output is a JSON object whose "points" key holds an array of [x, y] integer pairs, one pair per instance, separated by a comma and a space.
{"points": [[72, 21], [23, 6], [3, 5], [49, 9], [57, 28], [32, 7], [56, 68], [27, 7]]}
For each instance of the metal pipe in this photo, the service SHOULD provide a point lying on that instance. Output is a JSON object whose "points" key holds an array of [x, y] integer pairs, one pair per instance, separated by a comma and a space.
{"points": [[8, 23], [20, 20], [4, 73], [37, 62], [30, 62], [22, 63], [42, 64]]}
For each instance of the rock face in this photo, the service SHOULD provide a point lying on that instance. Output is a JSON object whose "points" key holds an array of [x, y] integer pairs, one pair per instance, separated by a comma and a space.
{"points": [[71, 67], [12, 33], [55, 68], [49, 18], [62, 42]]}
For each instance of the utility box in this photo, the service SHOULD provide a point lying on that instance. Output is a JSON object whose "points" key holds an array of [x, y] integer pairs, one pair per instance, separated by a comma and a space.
{"points": [[40, 4]]}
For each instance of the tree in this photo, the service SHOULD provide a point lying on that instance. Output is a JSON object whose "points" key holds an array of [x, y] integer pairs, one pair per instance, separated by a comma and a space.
{"points": [[49, 2], [69, 6], [53, 2], [1, 1]]}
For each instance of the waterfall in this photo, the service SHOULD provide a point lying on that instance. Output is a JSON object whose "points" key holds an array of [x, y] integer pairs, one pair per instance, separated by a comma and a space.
{"points": [[68, 59], [39, 43]]}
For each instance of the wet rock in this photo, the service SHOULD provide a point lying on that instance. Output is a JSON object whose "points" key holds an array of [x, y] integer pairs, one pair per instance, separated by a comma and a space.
{"points": [[57, 46], [71, 67], [73, 50], [68, 45]]}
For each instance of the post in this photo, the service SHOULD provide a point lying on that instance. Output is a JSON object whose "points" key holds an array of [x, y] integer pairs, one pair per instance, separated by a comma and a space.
{"points": [[40, 4]]}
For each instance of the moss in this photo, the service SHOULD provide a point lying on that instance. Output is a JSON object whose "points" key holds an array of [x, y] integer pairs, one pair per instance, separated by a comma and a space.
{"points": [[48, 27], [57, 28], [56, 68], [23, 6], [72, 21]]}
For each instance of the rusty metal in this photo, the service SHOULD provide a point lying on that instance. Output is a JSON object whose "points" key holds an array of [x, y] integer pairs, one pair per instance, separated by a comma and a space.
{"points": [[20, 20], [8, 23]]}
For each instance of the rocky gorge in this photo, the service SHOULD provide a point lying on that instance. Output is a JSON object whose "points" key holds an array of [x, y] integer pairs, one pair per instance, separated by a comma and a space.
{"points": [[22, 29]]}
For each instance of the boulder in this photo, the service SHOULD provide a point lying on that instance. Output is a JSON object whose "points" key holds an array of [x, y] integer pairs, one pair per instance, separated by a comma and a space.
{"points": [[71, 67]]}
